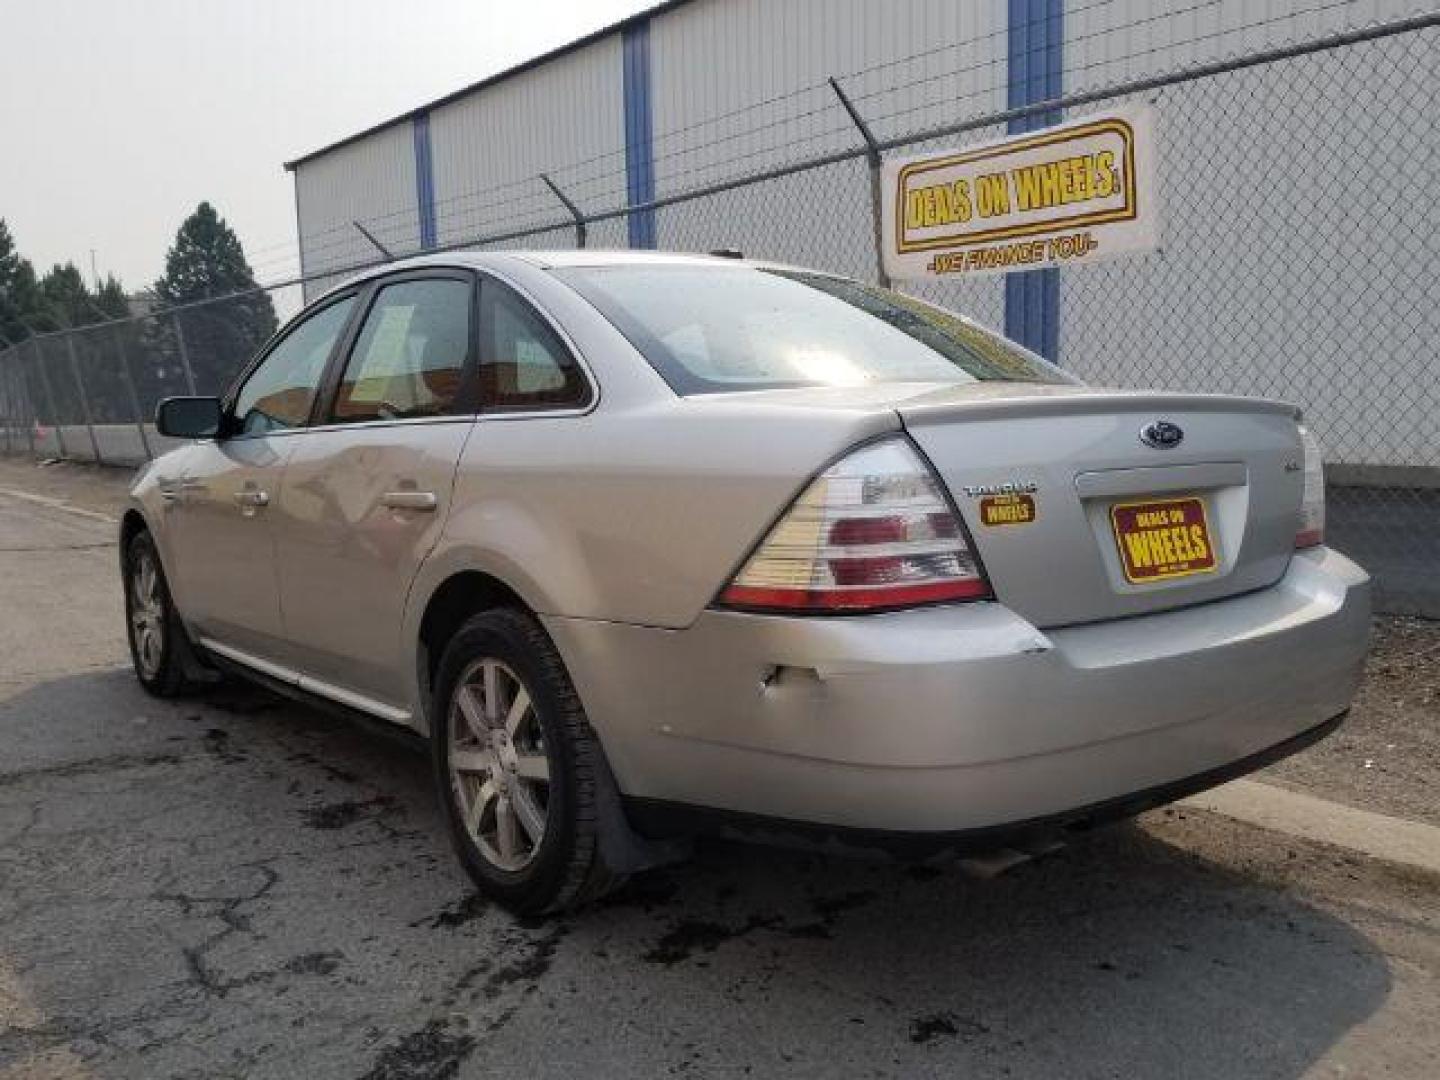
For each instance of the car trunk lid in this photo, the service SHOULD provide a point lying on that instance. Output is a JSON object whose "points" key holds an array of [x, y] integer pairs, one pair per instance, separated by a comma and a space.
{"points": [[1076, 519]]}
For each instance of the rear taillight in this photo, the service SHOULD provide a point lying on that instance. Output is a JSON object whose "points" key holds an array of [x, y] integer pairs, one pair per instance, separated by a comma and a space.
{"points": [[1311, 527], [874, 531]]}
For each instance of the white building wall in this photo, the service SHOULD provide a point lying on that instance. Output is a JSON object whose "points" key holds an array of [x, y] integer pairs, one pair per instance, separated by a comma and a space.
{"points": [[1285, 269], [1119, 40], [564, 118], [371, 181], [1260, 248], [740, 86]]}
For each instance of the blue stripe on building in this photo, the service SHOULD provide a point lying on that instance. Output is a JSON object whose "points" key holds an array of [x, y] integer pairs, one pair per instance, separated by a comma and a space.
{"points": [[1036, 37], [639, 151], [424, 181]]}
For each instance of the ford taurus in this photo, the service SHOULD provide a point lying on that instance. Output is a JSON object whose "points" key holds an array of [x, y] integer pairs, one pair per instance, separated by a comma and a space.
{"points": [[649, 545]]}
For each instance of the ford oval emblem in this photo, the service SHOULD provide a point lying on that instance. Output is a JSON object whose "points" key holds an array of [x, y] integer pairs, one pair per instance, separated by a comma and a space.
{"points": [[1161, 434]]}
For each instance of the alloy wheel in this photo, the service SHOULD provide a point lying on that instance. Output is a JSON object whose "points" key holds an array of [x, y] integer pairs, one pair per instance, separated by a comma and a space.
{"points": [[147, 614], [499, 766]]}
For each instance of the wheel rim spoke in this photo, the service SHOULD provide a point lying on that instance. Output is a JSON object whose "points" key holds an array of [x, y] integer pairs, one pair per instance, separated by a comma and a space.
{"points": [[507, 837], [533, 767], [529, 814], [149, 651], [518, 710], [491, 674], [473, 712], [472, 761], [484, 796]]}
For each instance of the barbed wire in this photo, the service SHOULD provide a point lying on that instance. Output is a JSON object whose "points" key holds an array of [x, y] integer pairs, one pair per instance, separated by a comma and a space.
{"points": [[559, 222], [341, 234]]}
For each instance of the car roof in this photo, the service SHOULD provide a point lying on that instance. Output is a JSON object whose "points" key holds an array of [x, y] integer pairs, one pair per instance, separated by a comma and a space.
{"points": [[557, 259], [552, 260]]}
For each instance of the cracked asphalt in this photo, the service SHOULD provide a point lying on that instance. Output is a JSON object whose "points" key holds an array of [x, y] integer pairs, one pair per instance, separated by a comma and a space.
{"points": [[237, 886]]}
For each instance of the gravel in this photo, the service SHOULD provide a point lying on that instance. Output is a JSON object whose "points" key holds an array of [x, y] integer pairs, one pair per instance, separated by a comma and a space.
{"points": [[1386, 757]]}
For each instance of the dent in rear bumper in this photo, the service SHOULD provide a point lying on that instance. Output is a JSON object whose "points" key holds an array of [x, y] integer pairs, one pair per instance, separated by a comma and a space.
{"points": [[964, 717]]}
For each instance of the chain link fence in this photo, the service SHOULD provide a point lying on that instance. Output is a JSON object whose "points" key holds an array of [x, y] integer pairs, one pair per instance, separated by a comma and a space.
{"points": [[1300, 211]]}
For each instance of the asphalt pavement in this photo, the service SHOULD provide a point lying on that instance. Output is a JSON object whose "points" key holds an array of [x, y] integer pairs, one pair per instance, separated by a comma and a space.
{"points": [[236, 886]]}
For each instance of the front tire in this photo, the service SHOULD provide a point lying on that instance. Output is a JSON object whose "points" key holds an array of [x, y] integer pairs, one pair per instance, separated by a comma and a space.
{"points": [[158, 643], [516, 764]]}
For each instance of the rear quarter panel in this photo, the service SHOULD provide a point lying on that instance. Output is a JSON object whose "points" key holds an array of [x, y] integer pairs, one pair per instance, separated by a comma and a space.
{"points": [[632, 514]]}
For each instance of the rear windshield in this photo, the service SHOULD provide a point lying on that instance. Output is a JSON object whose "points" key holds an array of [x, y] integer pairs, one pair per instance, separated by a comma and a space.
{"points": [[709, 330]]}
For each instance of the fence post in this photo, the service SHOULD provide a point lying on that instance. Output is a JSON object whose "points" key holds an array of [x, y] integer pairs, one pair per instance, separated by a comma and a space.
{"points": [[49, 396], [872, 156], [10, 403], [134, 397], [377, 244], [581, 234], [84, 397], [23, 384], [12, 367], [184, 354]]}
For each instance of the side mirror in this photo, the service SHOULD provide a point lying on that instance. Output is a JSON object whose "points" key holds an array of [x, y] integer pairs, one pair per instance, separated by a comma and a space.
{"points": [[189, 417]]}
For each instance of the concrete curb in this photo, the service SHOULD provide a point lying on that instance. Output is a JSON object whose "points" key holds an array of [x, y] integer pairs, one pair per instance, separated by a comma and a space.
{"points": [[1408, 843]]}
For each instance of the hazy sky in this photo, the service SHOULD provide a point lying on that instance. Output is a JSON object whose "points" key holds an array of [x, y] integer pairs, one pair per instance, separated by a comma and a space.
{"points": [[118, 116]]}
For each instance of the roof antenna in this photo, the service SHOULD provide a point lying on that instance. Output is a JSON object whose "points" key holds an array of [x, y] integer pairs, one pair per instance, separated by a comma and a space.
{"points": [[728, 253]]}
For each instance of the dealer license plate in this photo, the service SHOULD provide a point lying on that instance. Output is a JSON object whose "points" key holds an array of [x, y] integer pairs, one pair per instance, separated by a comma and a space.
{"points": [[1163, 538]]}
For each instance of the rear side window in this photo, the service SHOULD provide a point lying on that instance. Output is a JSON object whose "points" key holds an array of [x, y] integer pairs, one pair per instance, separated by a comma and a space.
{"points": [[280, 392], [523, 363], [714, 329], [409, 357]]}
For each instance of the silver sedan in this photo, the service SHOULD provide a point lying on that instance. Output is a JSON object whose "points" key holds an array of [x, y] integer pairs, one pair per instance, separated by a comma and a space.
{"points": [[649, 545]]}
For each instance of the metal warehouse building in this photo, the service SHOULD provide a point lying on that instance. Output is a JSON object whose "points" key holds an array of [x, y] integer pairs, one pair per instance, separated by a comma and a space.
{"points": [[1272, 278]]}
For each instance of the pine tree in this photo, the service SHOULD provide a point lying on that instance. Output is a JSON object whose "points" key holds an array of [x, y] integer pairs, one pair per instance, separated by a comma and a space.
{"points": [[207, 262], [60, 301], [64, 299], [19, 291], [110, 300]]}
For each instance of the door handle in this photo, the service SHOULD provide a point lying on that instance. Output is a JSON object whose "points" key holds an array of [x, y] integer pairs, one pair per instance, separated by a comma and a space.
{"points": [[251, 498], [410, 500], [175, 490]]}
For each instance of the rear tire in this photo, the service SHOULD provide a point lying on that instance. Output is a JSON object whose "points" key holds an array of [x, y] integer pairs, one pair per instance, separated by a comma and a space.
{"points": [[516, 764], [159, 646]]}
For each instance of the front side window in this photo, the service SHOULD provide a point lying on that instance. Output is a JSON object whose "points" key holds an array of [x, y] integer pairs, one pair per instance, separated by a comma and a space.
{"points": [[280, 392], [523, 363], [409, 357], [716, 329]]}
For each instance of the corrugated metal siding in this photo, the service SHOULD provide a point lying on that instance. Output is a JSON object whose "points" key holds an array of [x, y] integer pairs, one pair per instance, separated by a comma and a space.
{"points": [[740, 86], [1118, 40], [490, 148], [1276, 277], [372, 181]]}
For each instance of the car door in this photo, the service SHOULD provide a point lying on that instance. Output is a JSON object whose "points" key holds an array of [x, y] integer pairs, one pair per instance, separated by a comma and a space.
{"points": [[218, 511], [366, 490]]}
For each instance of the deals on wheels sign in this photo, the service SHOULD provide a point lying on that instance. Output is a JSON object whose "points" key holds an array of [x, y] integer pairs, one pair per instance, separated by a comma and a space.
{"points": [[1060, 196]]}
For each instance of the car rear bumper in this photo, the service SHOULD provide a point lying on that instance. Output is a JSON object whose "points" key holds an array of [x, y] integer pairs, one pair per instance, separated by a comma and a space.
{"points": [[956, 719]]}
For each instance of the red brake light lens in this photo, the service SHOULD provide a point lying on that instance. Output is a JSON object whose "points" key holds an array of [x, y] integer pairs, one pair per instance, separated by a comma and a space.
{"points": [[873, 532]]}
